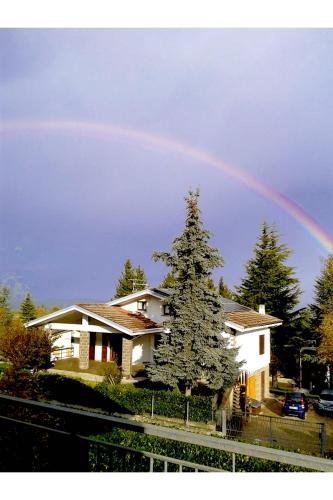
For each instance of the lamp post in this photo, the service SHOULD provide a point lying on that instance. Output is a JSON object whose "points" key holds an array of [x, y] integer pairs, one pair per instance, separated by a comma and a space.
{"points": [[300, 362]]}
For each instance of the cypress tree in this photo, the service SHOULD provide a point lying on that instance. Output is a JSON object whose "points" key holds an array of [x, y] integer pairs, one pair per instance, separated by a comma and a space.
{"points": [[192, 347], [27, 309]]}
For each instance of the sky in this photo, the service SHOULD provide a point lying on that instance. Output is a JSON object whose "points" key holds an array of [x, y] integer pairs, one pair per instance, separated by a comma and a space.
{"points": [[85, 184]]}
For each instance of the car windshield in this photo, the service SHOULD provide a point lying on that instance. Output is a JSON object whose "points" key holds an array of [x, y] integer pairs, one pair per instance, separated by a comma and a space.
{"points": [[294, 398], [326, 397]]}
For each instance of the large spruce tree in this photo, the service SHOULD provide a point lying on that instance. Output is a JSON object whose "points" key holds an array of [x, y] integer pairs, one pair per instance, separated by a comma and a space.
{"points": [[131, 280], [270, 281], [27, 309], [192, 347]]}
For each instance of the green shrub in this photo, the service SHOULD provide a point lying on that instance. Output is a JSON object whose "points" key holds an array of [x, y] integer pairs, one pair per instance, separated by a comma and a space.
{"points": [[166, 403], [117, 461], [112, 373]]}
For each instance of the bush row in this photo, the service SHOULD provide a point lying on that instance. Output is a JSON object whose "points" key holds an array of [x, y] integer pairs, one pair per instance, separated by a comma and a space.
{"points": [[117, 461], [165, 403]]}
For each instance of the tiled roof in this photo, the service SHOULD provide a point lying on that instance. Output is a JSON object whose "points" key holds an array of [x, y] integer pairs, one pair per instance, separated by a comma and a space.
{"points": [[132, 321], [250, 318]]}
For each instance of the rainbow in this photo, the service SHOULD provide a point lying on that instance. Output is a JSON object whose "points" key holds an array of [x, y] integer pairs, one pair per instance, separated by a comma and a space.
{"points": [[159, 142]]}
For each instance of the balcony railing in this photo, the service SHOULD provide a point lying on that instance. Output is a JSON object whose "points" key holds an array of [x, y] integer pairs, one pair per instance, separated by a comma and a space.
{"points": [[36, 436]]}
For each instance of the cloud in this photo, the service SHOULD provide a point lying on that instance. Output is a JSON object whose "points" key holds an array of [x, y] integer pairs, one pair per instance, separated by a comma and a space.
{"points": [[18, 249]]}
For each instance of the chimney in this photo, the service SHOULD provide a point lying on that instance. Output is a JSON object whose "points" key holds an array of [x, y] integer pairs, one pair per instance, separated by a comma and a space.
{"points": [[261, 308]]}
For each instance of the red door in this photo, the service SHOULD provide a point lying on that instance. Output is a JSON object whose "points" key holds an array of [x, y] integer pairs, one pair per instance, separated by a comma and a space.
{"points": [[105, 347], [92, 343]]}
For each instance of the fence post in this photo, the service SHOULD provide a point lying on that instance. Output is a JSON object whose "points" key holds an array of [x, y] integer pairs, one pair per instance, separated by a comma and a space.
{"points": [[270, 431], [224, 422], [322, 438], [187, 410], [152, 405]]}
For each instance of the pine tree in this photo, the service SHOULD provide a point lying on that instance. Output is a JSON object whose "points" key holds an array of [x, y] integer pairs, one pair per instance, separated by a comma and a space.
{"points": [[268, 279], [192, 346], [168, 281], [131, 280], [271, 282], [27, 309], [140, 280], [224, 290], [125, 282]]}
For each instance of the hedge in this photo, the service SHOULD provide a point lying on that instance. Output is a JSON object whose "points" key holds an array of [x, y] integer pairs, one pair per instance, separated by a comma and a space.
{"points": [[118, 461], [166, 403]]}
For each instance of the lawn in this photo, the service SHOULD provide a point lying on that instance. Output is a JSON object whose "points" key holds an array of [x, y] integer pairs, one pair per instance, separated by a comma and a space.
{"points": [[72, 365]]}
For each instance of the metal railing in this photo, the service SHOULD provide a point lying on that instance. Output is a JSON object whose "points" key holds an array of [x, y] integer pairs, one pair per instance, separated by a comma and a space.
{"points": [[62, 353], [293, 434], [36, 436]]}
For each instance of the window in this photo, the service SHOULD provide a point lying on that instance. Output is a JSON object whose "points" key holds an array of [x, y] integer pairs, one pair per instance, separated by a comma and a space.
{"points": [[166, 309], [142, 305], [261, 344]]}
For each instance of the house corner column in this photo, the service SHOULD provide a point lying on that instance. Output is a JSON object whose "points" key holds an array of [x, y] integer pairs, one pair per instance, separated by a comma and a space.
{"points": [[127, 357], [84, 351]]}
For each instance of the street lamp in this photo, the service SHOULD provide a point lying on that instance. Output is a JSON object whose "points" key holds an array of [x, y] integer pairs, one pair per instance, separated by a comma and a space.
{"points": [[300, 362]]}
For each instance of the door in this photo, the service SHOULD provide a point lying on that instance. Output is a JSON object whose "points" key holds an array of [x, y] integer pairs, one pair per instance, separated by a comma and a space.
{"points": [[92, 343], [251, 387], [104, 347]]}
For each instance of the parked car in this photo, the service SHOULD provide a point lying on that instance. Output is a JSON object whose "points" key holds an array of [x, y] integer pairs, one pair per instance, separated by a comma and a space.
{"points": [[325, 403], [295, 403]]}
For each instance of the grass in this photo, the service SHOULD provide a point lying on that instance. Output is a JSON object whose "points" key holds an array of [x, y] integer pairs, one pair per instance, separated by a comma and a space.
{"points": [[72, 365]]}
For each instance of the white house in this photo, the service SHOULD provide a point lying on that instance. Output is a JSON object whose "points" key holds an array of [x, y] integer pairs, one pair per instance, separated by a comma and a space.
{"points": [[125, 330]]}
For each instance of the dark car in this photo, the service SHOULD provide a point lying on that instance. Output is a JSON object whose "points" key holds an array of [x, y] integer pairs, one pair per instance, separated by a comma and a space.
{"points": [[295, 403], [325, 403]]}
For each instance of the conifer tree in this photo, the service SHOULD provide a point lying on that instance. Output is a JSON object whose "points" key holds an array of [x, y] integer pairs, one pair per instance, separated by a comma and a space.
{"points": [[224, 290], [140, 280], [131, 280], [271, 282], [324, 311], [192, 347], [28, 309], [168, 281], [268, 279], [125, 282]]}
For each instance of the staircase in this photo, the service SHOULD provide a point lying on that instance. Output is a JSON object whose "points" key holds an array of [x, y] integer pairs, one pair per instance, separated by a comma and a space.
{"points": [[236, 406]]}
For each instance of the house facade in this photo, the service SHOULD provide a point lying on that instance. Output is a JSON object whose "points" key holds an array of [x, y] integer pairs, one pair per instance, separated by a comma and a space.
{"points": [[125, 330]]}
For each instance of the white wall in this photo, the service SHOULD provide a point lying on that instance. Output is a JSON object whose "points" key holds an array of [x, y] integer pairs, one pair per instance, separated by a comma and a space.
{"points": [[64, 341], [154, 308], [248, 344], [142, 352]]}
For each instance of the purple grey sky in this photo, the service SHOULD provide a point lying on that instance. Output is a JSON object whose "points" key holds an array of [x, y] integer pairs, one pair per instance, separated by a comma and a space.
{"points": [[73, 207]]}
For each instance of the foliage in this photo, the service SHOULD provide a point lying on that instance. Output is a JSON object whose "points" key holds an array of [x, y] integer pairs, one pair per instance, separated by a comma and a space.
{"points": [[5, 309], [168, 281], [323, 311], [116, 461], [192, 347], [268, 279], [166, 403], [28, 309], [112, 373], [271, 282], [224, 290], [131, 280], [42, 310], [26, 348]]}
